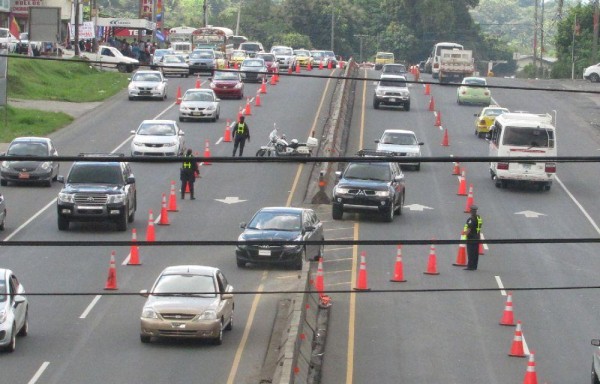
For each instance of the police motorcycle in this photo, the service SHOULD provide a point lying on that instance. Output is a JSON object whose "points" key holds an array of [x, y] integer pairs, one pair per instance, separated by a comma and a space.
{"points": [[279, 146]]}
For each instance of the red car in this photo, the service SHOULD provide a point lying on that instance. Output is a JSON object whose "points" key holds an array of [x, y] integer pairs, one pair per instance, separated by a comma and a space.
{"points": [[227, 85], [270, 61]]}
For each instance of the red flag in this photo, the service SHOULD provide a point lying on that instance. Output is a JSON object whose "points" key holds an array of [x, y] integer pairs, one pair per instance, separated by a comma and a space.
{"points": [[14, 27]]}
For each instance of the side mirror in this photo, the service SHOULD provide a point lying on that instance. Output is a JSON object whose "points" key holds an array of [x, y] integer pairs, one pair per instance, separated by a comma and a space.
{"points": [[130, 179], [376, 141], [476, 114], [226, 296], [338, 174], [144, 293], [243, 225], [421, 143], [19, 299], [60, 179], [132, 132], [399, 178], [181, 133]]}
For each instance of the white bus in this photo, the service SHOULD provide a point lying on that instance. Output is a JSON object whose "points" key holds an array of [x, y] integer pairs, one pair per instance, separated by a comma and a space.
{"points": [[522, 134], [436, 53]]}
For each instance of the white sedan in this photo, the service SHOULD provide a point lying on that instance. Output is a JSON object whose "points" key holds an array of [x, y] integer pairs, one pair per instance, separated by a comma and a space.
{"points": [[157, 138], [151, 84], [402, 143], [174, 65], [199, 104]]}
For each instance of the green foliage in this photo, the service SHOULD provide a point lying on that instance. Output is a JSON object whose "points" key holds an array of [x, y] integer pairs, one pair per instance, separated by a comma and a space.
{"points": [[293, 39], [579, 53], [16, 122]]}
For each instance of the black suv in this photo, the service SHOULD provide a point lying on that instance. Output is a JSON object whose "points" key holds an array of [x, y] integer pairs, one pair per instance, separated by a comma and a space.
{"points": [[97, 191], [376, 186]]}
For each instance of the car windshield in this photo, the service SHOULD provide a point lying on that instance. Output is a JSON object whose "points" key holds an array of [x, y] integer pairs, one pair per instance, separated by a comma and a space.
{"points": [[385, 56], [365, 171], [152, 77], [328, 54], [474, 81], [494, 112], [253, 63], [398, 139], [202, 55], [27, 149], [95, 173], [184, 284], [156, 129], [162, 52], [276, 221], [267, 57], [396, 68], [4, 33], [238, 54], [2, 290], [282, 51], [317, 54], [393, 83], [529, 137], [250, 47], [173, 59], [226, 76], [302, 53], [198, 96]]}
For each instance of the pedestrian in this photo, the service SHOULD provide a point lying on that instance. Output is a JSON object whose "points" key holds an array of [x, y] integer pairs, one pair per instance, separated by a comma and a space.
{"points": [[187, 174], [472, 231], [241, 133]]}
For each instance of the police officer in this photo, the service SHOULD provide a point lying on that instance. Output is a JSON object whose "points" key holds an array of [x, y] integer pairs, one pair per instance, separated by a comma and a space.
{"points": [[189, 170], [472, 231], [240, 134]]}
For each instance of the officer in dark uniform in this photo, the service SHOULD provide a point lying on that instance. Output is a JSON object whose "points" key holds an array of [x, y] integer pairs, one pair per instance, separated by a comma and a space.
{"points": [[189, 170], [472, 231], [241, 133]]}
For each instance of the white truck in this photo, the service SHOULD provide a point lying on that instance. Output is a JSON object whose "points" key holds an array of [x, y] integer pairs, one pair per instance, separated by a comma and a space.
{"points": [[455, 64], [108, 56]]}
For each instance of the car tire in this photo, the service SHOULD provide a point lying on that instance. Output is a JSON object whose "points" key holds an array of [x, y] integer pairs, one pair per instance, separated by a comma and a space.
{"points": [[122, 68], [24, 331], [181, 119], [300, 261], [376, 104], [131, 216], [261, 152], [240, 263], [418, 167], [388, 214], [122, 220], [63, 223], [321, 251], [12, 345], [130, 98], [229, 325], [407, 107], [3, 182], [337, 212], [48, 183], [594, 78], [3, 223], [219, 339], [145, 339], [400, 206]]}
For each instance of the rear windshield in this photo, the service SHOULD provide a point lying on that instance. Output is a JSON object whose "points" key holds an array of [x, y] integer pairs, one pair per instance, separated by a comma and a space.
{"points": [[529, 137], [366, 171], [226, 76], [250, 47]]}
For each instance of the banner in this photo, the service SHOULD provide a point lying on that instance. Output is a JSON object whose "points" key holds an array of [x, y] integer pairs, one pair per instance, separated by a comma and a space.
{"points": [[86, 30]]}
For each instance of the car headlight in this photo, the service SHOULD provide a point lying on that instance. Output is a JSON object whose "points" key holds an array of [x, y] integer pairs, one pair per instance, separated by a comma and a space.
{"points": [[183, 108], [239, 85], [413, 154], [115, 199], [172, 144], [209, 314], [5, 164], [3, 316], [45, 165], [382, 193], [66, 197], [149, 313], [379, 93], [405, 94], [137, 143], [341, 190], [211, 108]]}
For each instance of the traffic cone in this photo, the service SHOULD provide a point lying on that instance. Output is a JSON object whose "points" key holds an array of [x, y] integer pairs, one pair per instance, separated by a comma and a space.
{"points": [[321, 64], [469, 199], [198, 82], [362, 274], [187, 185], [277, 77], [111, 281], [236, 66], [164, 216], [273, 81], [456, 169], [432, 263], [438, 119], [507, 316], [263, 86], [227, 135], [150, 234], [257, 102], [398, 267], [480, 250], [530, 374], [319, 283], [461, 256], [207, 152], [329, 65], [178, 96], [297, 67], [172, 198], [516, 349], [309, 66], [431, 104], [445, 140], [462, 184], [134, 253], [289, 70], [427, 89], [248, 110]]}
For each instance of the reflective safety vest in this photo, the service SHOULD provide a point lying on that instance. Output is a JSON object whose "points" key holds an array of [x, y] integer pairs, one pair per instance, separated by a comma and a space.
{"points": [[240, 128], [479, 224], [187, 164]]}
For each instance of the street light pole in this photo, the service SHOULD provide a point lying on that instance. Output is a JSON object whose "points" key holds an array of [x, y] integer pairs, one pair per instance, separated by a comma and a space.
{"points": [[361, 37], [237, 24]]}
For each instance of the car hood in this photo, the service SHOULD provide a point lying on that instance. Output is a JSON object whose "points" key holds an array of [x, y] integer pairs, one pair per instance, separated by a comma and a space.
{"points": [[110, 189], [252, 69], [25, 163], [154, 139], [377, 185], [175, 65], [145, 83], [181, 304], [398, 148], [198, 104], [261, 234], [201, 60], [392, 89]]}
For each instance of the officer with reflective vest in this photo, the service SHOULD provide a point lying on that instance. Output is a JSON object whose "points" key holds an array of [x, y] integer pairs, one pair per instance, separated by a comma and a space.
{"points": [[472, 231], [241, 133], [188, 173]]}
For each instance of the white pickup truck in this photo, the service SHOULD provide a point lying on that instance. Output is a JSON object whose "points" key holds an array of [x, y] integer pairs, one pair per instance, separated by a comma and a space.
{"points": [[107, 56], [456, 64]]}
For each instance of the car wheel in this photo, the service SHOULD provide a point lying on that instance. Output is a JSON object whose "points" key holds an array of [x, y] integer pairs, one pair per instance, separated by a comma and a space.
{"points": [[2, 224], [407, 107], [337, 212], [181, 119], [130, 98], [131, 217], [25, 328], [458, 101], [3, 182], [122, 220], [321, 251], [376, 104], [547, 187], [48, 183], [229, 325], [388, 214], [298, 263], [12, 345], [63, 223], [594, 78], [418, 167], [214, 119], [400, 206], [122, 68], [219, 339], [145, 339], [240, 263], [261, 152]]}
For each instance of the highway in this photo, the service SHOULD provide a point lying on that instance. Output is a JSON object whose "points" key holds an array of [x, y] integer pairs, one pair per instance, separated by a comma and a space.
{"points": [[422, 336]]}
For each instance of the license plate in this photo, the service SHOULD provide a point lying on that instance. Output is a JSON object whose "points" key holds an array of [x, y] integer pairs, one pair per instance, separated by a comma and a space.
{"points": [[178, 325], [23, 175], [144, 92], [526, 166], [392, 100], [264, 252], [197, 113]]}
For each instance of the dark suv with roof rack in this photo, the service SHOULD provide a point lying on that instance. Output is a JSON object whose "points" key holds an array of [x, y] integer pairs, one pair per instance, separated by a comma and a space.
{"points": [[97, 191]]}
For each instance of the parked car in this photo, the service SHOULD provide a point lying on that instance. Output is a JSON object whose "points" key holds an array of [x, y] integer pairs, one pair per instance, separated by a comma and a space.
{"points": [[401, 142], [174, 65], [270, 61], [202, 60], [392, 90], [294, 225], [198, 104], [254, 70], [30, 171], [485, 119], [188, 301], [592, 73], [2, 213], [147, 84], [157, 56], [157, 138], [468, 94], [227, 84], [14, 310]]}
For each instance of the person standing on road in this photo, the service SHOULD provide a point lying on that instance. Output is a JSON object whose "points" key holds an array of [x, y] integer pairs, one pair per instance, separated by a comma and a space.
{"points": [[188, 172], [241, 133], [472, 231]]}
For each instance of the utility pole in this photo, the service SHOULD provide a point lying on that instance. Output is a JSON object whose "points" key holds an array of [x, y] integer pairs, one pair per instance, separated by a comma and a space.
{"points": [[204, 18], [361, 37], [535, 32], [76, 26], [332, 24], [595, 40], [237, 24], [542, 39]]}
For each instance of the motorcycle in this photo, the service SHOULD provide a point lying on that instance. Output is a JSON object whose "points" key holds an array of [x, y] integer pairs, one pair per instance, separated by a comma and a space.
{"points": [[279, 146]]}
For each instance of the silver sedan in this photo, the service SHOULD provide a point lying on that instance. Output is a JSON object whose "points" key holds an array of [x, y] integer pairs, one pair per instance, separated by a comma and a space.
{"points": [[174, 65], [199, 104]]}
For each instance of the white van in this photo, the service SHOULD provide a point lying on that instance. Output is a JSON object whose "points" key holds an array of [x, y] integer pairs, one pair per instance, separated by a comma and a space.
{"points": [[522, 134], [436, 54]]}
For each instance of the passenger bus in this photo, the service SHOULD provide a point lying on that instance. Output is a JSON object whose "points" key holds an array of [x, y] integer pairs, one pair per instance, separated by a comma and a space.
{"points": [[436, 54], [181, 34], [218, 38]]}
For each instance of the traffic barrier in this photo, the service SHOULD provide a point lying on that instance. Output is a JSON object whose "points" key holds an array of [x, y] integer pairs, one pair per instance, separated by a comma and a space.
{"points": [[150, 233], [320, 284], [438, 119], [456, 169], [134, 252], [227, 134], [517, 350], [427, 89], [507, 315], [111, 281], [530, 374], [362, 274], [263, 86], [198, 81], [445, 139], [469, 199], [248, 110], [178, 95], [398, 267], [431, 104], [172, 198], [164, 216], [462, 184], [207, 152], [432, 262], [257, 101], [461, 256]]}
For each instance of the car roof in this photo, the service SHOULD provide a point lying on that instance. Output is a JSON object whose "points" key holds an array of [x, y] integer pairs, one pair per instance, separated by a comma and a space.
{"points": [[190, 269], [399, 131], [284, 209], [391, 76], [197, 90], [31, 139], [147, 71], [159, 121]]}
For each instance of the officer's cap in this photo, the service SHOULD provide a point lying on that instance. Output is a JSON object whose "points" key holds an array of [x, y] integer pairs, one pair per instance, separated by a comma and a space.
{"points": [[473, 208]]}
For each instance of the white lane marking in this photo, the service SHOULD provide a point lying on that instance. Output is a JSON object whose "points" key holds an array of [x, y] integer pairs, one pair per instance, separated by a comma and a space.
{"points": [[500, 285], [587, 216], [337, 229], [338, 249], [126, 259], [90, 306], [337, 260], [39, 372], [219, 141], [334, 284], [485, 246]]}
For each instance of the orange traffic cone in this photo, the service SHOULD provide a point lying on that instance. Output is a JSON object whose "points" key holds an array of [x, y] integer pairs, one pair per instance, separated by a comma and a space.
{"points": [[431, 104], [445, 140], [207, 152], [297, 67], [187, 185], [319, 284], [398, 267], [134, 253], [329, 64], [235, 65], [263, 86], [362, 274], [462, 184], [273, 81], [438, 119], [461, 256], [248, 110], [257, 102], [469, 199], [516, 349], [530, 374], [178, 96], [289, 70], [309, 66], [456, 169], [432, 263], [321, 64], [427, 89], [164, 216], [507, 316], [277, 77], [480, 250], [150, 234], [172, 198], [111, 281], [198, 82], [227, 135]]}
